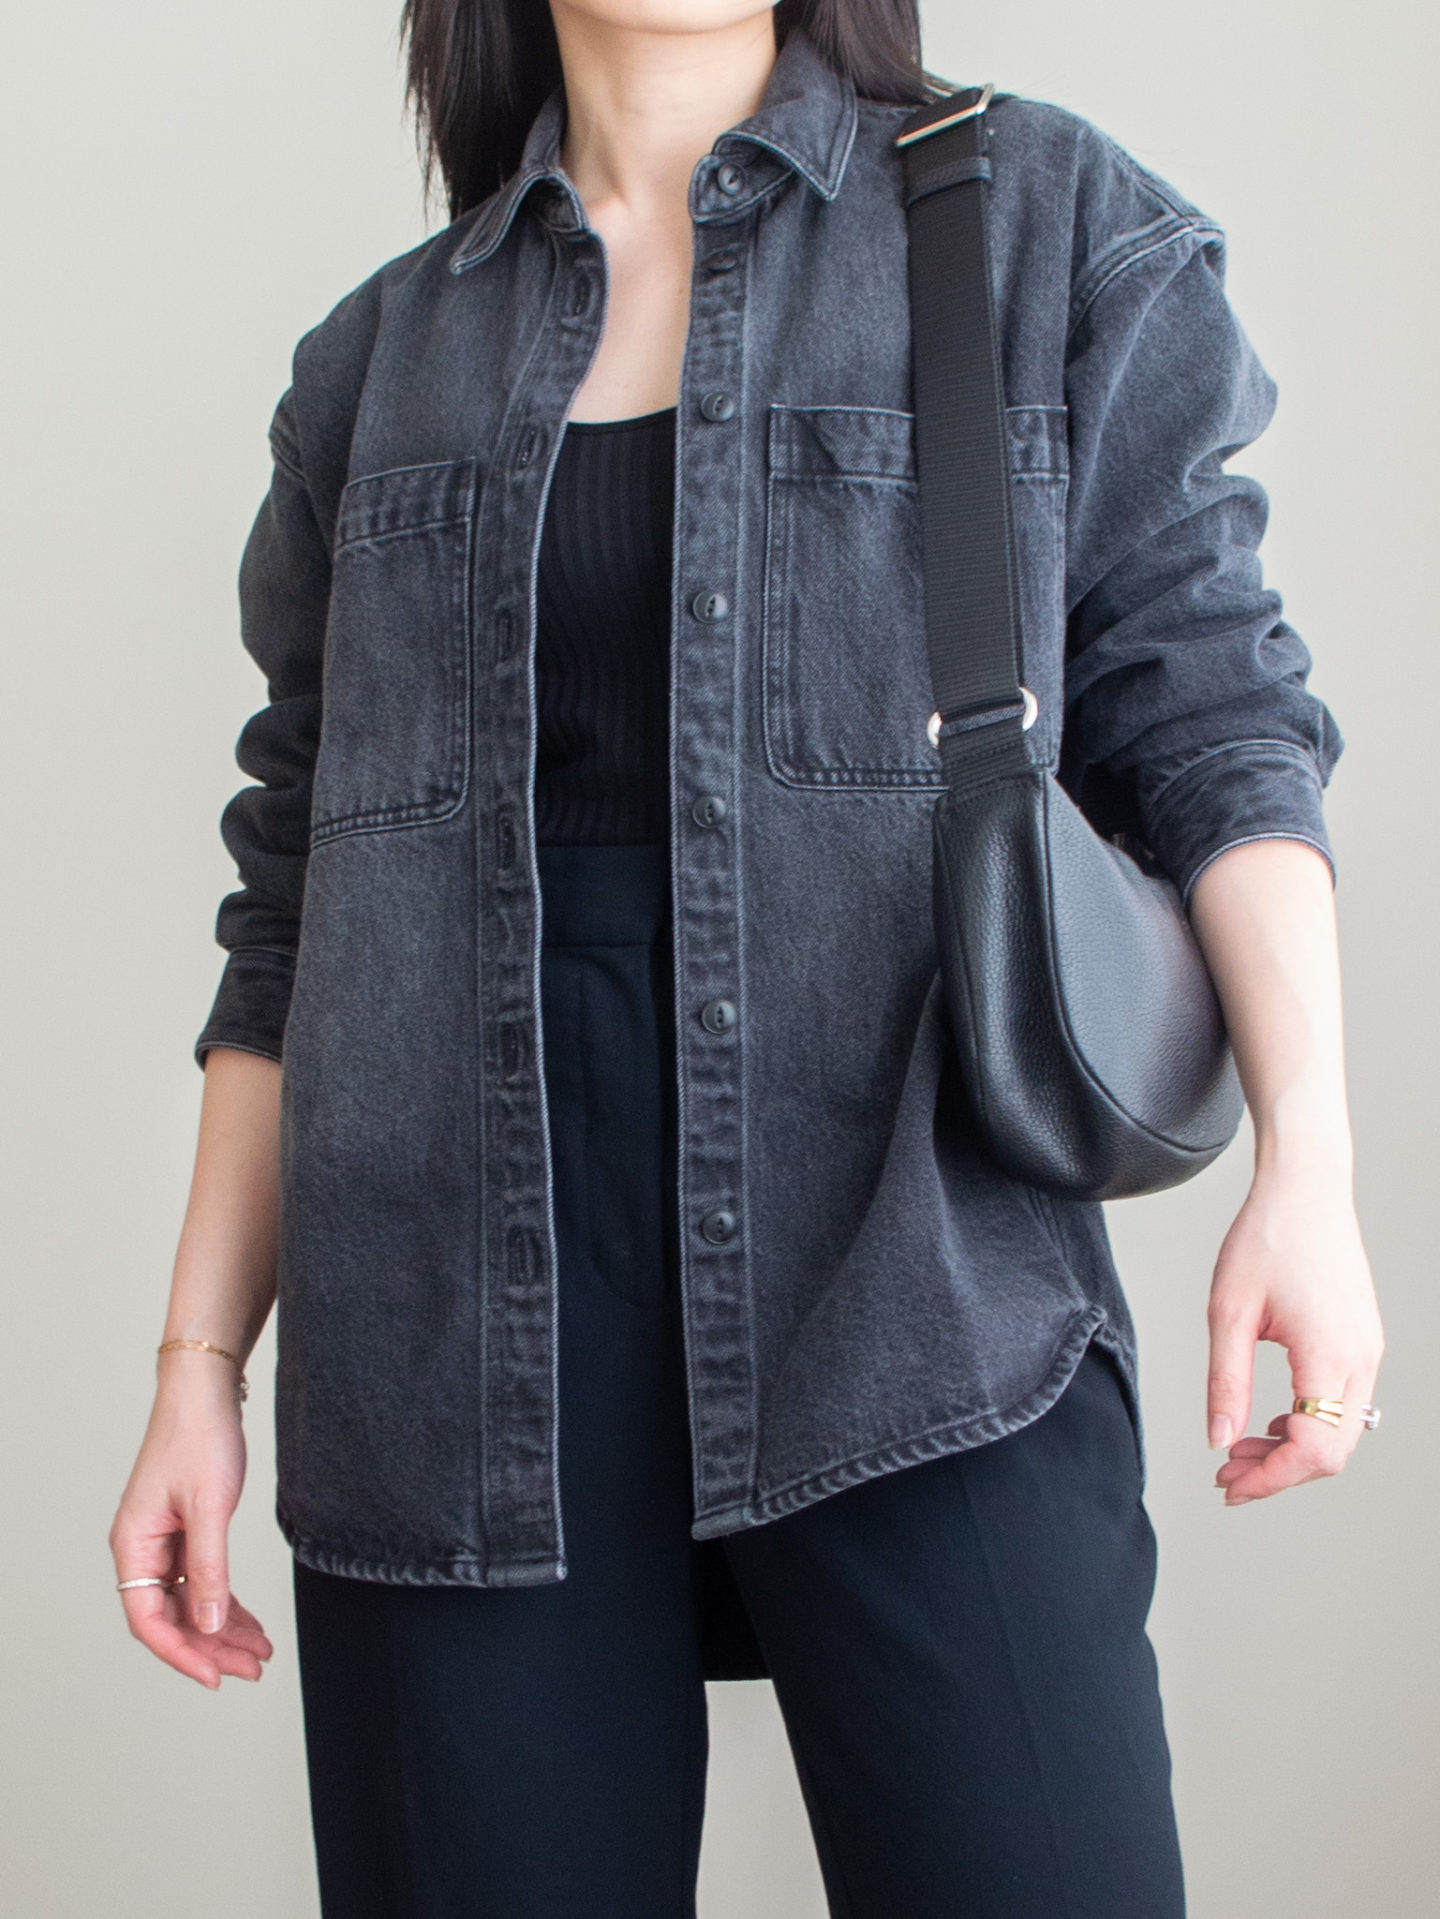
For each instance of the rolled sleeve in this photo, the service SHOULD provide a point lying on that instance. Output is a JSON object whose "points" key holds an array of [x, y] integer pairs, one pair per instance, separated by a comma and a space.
{"points": [[1230, 795], [1185, 685], [251, 1005], [284, 596]]}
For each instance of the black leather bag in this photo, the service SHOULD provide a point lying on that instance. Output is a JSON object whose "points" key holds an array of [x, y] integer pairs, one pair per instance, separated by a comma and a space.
{"points": [[1091, 1043]]}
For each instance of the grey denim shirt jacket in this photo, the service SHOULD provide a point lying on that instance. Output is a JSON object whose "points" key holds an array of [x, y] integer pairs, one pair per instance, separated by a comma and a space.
{"points": [[862, 1289]]}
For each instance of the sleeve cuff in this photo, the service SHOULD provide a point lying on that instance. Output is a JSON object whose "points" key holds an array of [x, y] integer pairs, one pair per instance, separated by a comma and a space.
{"points": [[251, 1005], [1249, 790]]}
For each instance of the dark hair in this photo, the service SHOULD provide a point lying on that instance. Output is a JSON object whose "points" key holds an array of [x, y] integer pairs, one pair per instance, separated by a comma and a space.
{"points": [[478, 71]]}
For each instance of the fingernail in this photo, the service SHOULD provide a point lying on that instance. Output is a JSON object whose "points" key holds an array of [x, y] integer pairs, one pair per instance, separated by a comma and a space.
{"points": [[1242, 1499], [209, 1617], [1220, 1432]]}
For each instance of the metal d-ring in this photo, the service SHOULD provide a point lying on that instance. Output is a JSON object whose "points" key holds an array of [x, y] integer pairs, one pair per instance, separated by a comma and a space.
{"points": [[970, 722]]}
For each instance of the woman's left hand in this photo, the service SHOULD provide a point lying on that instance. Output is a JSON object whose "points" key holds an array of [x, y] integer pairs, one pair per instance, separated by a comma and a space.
{"points": [[1293, 1270]]}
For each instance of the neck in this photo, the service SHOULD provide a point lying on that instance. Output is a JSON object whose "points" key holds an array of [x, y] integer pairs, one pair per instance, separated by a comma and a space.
{"points": [[642, 106]]}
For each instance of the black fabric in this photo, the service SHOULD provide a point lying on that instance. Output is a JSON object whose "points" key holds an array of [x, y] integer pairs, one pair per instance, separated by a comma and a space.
{"points": [[972, 620], [958, 1647], [602, 655]]}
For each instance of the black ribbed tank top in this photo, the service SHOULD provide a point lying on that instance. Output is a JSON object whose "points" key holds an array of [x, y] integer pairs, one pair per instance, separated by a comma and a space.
{"points": [[602, 641]]}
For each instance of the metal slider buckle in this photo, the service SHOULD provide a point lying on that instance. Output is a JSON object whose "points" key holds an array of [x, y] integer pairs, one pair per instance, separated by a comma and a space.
{"points": [[972, 112], [970, 718]]}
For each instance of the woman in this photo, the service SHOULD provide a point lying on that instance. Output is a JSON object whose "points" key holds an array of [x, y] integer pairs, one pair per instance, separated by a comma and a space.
{"points": [[649, 1309]]}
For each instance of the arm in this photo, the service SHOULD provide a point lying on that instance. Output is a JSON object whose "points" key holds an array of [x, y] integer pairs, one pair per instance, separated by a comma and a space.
{"points": [[1186, 688], [1292, 1268], [176, 1508]]}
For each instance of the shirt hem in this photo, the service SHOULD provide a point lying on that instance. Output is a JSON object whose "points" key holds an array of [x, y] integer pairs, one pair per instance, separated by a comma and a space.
{"points": [[953, 1436], [463, 1569]]}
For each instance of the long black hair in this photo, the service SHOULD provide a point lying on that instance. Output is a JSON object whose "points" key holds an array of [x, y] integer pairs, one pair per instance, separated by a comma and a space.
{"points": [[478, 71]]}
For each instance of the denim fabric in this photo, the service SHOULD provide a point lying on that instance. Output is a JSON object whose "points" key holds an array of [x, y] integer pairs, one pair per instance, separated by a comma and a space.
{"points": [[862, 1288]]}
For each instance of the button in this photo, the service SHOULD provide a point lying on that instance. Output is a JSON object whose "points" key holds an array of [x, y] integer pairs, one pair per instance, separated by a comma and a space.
{"points": [[723, 261], [718, 1226], [524, 1260], [514, 1049], [708, 810], [718, 1015], [709, 605], [718, 406], [559, 209], [506, 844], [729, 178]]}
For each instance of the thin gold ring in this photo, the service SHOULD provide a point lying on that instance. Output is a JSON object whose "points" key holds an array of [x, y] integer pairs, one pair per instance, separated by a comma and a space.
{"points": [[1332, 1411]]}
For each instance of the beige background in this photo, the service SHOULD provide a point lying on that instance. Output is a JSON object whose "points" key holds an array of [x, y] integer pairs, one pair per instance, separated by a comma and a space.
{"points": [[188, 189]]}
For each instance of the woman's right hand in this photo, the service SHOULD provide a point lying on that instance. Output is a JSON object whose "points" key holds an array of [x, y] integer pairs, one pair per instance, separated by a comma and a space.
{"points": [[174, 1518]]}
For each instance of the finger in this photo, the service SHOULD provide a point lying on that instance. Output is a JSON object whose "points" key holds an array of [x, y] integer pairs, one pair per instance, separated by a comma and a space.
{"points": [[246, 1629], [155, 1615], [1232, 1364], [158, 1620], [1253, 1446], [154, 1625], [1361, 1393], [1309, 1448], [207, 1569], [1240, 1463], [236, 1662], [249, 1638]]}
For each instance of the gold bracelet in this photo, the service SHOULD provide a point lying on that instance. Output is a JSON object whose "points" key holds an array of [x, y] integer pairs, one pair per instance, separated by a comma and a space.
{"points": [[204, 1346]]}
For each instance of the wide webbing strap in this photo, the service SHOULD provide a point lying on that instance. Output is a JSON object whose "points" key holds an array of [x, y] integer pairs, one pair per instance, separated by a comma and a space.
{"points": [[972, 624]]}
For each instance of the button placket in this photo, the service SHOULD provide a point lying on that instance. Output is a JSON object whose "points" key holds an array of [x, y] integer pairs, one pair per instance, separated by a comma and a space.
{"points": [[521, 1518], [714, 1250]]}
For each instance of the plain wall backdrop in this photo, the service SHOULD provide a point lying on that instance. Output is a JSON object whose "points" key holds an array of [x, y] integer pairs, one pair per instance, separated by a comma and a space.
{"points": [[190, 188]]}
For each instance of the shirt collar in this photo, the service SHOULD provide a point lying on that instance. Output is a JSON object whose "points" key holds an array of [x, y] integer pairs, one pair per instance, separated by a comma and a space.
{"points": [[805, 124]]}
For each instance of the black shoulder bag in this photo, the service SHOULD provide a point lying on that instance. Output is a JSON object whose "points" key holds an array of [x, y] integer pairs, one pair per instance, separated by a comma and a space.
{"points": [[1090, 1040]]}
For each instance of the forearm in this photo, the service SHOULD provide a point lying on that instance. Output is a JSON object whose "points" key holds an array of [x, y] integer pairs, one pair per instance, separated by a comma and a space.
{"points": [[1264, 914], [224, 1276], [1292, 1268]]}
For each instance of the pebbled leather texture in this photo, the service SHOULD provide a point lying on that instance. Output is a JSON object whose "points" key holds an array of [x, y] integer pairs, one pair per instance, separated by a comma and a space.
{"points": [[1090, 1040]]}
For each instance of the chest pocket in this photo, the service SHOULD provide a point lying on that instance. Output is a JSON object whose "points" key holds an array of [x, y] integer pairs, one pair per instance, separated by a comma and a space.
{"points": [[394, 741], [846, 676]]}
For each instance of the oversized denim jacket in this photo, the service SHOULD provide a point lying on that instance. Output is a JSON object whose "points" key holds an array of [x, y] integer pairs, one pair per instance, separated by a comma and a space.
{"points": [[862, 1288]]}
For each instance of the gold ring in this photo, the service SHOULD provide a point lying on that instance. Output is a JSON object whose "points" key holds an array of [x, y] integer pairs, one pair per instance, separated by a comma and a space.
{"points": [[1332, 1411], [125, 1585]]}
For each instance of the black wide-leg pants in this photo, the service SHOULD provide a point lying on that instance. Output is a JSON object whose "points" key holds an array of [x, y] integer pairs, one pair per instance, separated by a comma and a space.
{"points": [[958, 1648]]}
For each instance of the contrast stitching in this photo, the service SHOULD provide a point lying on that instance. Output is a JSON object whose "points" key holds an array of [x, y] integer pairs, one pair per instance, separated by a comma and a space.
{"points": [[345, 540], [1203, 232], [1227, 746], [933, 1441]]}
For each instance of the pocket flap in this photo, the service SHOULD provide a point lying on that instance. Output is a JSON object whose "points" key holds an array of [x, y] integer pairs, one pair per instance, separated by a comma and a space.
{"points": [[405, 499], [830, 442]]}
